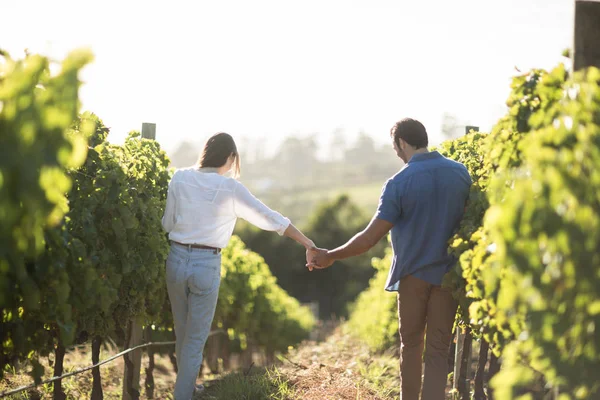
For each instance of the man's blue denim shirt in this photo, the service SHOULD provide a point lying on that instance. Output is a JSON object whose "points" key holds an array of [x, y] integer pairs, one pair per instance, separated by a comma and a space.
{"points": [[425, 201]]}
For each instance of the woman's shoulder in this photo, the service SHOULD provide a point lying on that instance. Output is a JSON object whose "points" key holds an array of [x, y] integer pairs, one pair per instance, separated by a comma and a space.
{"points": [[234, 184], [181, 173]]}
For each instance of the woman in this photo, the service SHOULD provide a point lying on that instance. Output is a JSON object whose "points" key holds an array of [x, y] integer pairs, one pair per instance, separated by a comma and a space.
{"points": [[202, 208]]}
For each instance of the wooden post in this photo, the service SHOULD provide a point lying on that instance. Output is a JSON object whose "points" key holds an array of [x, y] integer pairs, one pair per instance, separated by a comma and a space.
{"points": [[451, 353], [96, 383], [246, 357], [462, 363], [225, 351], [133, 363], [458, 350], [148, 130], [212, 350], [586, 47], [173, 359], [149, 385], [464, 384], [468, 129], [492, 371], [483, 356], [59, 353]]}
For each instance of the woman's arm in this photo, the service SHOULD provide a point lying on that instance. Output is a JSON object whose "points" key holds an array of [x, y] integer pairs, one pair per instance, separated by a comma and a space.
{"points": [[168, 219], [251, 209], [294, 233]]}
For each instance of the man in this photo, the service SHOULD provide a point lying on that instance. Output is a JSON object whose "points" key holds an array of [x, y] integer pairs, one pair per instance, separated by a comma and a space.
{"points": [[422, 205]]}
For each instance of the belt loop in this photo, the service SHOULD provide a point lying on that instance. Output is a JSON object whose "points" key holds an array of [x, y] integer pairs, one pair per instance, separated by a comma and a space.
{"points": [[189, 246]]}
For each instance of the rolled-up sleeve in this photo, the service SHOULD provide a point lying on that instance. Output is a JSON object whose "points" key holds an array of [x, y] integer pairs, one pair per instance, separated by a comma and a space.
{"points": [[168, 219], [251, 209], [389, 208]]}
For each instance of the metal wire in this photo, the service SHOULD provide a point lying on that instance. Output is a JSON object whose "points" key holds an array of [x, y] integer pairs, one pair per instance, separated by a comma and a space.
{"points": [[79, 371]]}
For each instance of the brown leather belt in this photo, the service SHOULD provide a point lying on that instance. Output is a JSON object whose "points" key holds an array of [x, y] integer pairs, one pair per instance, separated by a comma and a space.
{"points": [[198, 246]]}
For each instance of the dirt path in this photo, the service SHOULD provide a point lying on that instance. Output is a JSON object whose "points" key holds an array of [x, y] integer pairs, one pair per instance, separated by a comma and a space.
{"points": [[338, 367]]}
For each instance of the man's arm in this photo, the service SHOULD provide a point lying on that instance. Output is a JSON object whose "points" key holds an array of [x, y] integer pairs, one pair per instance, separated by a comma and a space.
{"points": [[359, 244]]}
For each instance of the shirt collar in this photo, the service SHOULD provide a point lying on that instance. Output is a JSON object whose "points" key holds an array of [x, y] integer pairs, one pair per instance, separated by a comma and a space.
{"points": [[209, 170], [425, 156]]}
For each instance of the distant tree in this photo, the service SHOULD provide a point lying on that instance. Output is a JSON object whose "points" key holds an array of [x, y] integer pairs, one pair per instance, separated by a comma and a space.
{"points": [[260, 146], [337, 145], [362, 151], [296, 158]]}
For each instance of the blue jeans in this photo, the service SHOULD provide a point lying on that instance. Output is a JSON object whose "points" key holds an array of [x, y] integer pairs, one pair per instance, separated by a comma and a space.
{"points": [[193, 278]]}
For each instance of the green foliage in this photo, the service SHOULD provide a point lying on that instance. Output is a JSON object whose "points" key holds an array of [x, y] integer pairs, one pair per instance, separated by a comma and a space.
{"points": [[547, 232], [467, 150], [118, 249], [143, 260], [477, 278], [252, 306], [374, 315], [36, 109]]}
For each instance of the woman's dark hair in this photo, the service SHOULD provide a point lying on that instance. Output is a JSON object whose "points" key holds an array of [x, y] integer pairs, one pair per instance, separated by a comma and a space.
{"points": [[411, 131], [217, 150]]}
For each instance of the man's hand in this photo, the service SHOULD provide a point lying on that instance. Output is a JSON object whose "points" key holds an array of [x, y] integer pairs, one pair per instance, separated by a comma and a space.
{"points": [[318, 258]]}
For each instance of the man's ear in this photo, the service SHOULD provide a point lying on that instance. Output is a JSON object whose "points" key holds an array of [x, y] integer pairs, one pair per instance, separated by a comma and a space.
{"points": [[402, 144]]}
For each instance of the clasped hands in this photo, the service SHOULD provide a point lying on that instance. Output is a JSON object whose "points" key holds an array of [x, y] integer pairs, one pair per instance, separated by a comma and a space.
{"points": [[318, 258]]}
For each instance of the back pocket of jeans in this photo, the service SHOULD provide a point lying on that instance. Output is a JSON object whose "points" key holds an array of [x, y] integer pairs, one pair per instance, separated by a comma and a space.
{"points": [[204, 278]]}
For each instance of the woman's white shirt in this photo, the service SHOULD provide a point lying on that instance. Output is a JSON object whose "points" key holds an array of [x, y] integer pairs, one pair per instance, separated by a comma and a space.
{"points": [[203, 206]]}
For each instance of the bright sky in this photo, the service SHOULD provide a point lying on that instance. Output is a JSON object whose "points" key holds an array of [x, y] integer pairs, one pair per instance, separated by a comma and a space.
{"points": [[270, 68]]}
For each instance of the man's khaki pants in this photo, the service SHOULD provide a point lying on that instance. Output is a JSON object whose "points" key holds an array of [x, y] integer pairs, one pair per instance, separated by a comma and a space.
{"points": [[421, 306]]}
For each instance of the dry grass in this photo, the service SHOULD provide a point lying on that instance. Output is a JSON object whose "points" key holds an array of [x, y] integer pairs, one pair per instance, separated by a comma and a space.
{"points": [[80, 386], [338, 368], [332, 370]]}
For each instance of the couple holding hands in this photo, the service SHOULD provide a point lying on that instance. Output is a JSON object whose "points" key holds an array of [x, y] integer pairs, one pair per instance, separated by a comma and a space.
{"points": [[422, 205]]}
